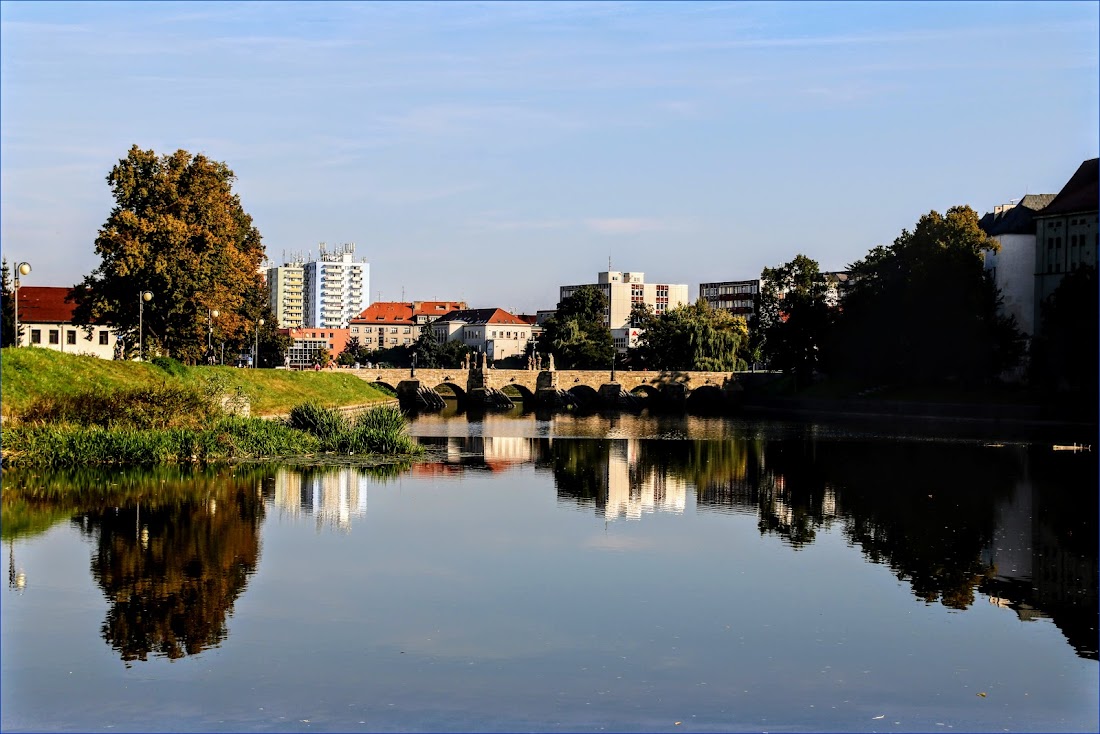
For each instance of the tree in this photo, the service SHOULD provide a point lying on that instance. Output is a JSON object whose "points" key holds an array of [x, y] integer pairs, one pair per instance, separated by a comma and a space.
{"points": [[427, 350], [576, 335], [350, 355], [7, 324], [792, 321], [923, 310], [178, 230], [1064, 354], [691, 337]]}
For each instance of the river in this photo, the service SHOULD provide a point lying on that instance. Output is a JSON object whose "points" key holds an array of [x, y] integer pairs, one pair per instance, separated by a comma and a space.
{"points": [[617, 572]]}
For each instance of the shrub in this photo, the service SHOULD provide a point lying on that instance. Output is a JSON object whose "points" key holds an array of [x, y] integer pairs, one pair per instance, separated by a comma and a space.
{"points": [[172, 366], [318, 420], [167, 406]]}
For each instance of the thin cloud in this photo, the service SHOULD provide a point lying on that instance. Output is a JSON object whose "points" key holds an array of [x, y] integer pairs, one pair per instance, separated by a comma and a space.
{"points": [[628, 225]]}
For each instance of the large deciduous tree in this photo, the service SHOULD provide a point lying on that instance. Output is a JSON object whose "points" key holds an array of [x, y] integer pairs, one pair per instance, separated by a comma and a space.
{"points": [[576, 335], [177, 230], [691, 337], [923, 310], [793, 321]]}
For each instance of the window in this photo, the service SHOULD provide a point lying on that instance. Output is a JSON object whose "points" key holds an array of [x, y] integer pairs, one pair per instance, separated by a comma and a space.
{"points": [[408, 330], [70, 337], [103, 337], [55, 337], [36, 336], [393, 330]]}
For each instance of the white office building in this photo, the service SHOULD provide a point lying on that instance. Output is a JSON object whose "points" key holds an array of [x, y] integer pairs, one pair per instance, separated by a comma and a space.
{"points": [[335, 288], [623, 290]]}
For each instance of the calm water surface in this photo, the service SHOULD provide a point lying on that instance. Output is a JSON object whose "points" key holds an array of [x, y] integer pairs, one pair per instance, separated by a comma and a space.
{"points": [[582, 574]]}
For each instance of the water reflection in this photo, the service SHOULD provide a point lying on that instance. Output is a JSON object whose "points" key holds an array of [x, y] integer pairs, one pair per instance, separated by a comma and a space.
{"points": [[334, 496], [173, 548], [951, 519]]}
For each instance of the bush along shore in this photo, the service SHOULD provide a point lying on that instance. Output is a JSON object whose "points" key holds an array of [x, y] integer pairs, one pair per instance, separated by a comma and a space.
{"points": [[180, 423]]}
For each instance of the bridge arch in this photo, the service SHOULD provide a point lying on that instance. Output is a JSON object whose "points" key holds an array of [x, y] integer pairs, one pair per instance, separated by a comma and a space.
{"points": [[585, 395], [458, 391], [706, 399], [383, 383], [516, 390]]}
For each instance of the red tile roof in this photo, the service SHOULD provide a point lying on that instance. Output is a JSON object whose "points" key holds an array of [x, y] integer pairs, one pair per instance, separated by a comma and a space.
{"points": [[45, 305], [398, 313]]}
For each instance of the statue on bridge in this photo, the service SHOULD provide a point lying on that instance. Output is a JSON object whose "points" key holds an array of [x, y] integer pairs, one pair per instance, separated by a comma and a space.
{"points": [[551, 367], [484, 359]]}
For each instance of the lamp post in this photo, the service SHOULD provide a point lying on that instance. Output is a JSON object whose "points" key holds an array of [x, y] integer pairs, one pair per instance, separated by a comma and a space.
{"points": [[20, 269], [143, 298], [211, 314], [256, 348]]}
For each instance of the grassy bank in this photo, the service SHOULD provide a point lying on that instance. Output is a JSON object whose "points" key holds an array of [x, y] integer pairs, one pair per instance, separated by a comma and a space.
{"points": [[64, 410], [28, 375]]}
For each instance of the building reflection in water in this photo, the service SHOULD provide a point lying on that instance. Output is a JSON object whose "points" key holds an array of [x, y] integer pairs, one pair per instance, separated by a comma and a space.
{"points": [[333, 496]]}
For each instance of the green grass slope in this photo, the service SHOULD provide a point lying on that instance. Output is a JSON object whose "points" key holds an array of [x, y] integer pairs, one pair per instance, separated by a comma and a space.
{"points": [[28, 374]]}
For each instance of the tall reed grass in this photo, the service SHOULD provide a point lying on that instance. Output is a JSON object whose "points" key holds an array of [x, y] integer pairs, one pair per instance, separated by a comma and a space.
{"points": [[310, 429]]}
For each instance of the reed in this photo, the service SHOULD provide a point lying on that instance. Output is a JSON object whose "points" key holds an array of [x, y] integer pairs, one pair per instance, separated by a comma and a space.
{"points": [[312, 428]]}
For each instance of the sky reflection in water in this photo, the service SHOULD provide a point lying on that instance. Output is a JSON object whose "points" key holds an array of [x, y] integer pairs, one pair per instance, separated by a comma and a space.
{"points": [[768, 577]]}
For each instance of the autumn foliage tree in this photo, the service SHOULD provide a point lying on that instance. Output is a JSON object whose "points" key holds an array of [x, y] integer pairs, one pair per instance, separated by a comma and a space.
{"points": [[177, 230]]}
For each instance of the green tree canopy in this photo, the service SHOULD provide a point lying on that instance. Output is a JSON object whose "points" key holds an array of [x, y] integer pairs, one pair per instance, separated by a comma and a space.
{"points": [[924, 310], [691, 337], [576, 335], [178, 230], [792, 322], [7, 313]]}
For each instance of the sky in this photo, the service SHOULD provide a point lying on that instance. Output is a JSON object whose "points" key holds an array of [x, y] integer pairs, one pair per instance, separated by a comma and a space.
{"points": [[493, 151]]}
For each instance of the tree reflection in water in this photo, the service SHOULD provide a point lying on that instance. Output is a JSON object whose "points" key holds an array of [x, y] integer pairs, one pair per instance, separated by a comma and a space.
{"points": [[173, 562], [928, 510]]}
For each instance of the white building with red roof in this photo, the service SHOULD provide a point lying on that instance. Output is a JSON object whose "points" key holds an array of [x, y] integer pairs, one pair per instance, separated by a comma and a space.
{"points": [[46, 320], [388, 324], [493, 331]]}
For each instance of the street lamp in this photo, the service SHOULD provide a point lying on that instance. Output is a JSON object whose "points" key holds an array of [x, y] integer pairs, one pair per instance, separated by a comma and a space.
{"points": [[211, 314], [20, 269], [256, 349], [143, 298]]}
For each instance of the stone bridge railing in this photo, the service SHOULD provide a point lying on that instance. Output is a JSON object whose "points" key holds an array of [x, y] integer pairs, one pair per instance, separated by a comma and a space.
{"points": [[542, 385]]}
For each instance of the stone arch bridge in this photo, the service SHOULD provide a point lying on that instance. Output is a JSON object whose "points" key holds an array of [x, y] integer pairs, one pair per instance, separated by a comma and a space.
{"points": [[550, 388]]}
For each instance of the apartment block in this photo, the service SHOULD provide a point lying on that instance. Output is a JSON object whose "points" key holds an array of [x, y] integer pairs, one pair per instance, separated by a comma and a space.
{"points": [[336, 288], [387, 324], [623, 290], [493, 331]]}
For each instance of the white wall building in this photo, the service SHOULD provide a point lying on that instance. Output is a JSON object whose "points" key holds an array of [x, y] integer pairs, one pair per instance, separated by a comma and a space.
{"points": [[335, 288], [492, 331], [46, 320], [1013, 268], [623, 290]]}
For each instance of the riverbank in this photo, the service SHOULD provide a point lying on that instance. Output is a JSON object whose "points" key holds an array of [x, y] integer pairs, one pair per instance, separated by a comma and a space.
{"points": [[29, 376]]}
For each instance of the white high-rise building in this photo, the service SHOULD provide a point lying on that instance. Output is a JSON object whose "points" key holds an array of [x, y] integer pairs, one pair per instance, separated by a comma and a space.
{"points": [[623, 290], [336, 289]]}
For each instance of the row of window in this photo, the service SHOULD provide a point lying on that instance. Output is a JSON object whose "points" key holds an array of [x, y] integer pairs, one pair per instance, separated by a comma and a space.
{"points": [[70, 337]]}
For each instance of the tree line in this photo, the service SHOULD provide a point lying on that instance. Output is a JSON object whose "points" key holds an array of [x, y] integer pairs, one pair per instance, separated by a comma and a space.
{"points": [[919, 311]]}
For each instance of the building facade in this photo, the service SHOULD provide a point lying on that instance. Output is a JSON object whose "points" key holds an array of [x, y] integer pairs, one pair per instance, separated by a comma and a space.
{"points": [[492, 331], [1012, 269], [46, 320], [336, 289], [623, 290], [1066, 233], [388, 324], [286, 294], [737, 297], [307, 343]]}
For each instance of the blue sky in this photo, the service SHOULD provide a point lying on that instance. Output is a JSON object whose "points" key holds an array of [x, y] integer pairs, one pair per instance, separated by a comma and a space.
{"points": [[493, 151]]}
